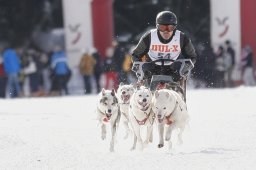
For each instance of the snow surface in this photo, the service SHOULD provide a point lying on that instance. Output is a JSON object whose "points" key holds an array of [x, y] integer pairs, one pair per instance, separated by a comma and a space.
{"points": [[60, 133]]}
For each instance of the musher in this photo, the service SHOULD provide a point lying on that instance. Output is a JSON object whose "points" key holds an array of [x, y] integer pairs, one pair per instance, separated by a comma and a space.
{"points": [[165, 42]]}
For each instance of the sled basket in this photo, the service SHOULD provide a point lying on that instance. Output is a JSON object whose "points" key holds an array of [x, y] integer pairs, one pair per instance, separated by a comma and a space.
{"points": [[156, 79]]}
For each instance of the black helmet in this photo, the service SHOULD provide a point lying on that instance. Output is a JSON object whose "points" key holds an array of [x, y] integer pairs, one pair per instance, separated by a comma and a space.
{"points": [[166, 18]]}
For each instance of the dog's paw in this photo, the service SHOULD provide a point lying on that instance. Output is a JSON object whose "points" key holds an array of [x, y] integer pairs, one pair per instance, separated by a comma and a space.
{"points": [[111, 149], [132, 149], [145, 143], [160, 145], [150, 140], [103, 137], [167, 138]]}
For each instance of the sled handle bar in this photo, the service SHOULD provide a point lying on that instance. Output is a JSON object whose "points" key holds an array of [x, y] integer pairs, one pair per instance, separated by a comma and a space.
{"points": [[137, 66]]}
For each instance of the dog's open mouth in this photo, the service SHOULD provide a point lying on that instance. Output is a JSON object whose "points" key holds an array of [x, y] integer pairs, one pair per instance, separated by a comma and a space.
{"points": [[108, 116], [143, 104], [125, 98], [160, 120]]}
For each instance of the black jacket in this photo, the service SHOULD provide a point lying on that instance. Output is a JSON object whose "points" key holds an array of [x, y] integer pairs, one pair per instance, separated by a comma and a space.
{"points": [[187, 48]]}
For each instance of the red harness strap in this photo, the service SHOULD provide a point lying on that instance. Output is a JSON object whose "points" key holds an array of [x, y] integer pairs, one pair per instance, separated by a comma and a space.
{"points": [[161, 86], [142, 122], [105, 119], [167, 119]]}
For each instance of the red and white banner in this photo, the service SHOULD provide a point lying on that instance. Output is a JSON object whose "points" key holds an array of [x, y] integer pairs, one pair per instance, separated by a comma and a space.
{"points": [[225, 23], [248, 24], [78, 28], [234, 20]]}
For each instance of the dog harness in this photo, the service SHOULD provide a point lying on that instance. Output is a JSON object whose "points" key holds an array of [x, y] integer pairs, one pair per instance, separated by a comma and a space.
{"points": [[142, 122], [168, 119]]}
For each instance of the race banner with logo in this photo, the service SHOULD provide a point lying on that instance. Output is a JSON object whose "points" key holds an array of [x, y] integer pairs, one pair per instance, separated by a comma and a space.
{"points": [[78, 28], [226, 24]]}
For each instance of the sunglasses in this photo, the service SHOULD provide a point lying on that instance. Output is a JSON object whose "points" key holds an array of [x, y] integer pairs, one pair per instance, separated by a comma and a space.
{"points": [[163, 28]]}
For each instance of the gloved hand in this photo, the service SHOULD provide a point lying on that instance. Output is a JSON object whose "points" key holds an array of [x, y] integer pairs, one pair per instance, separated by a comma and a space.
{"points": [[187, 67], [176, 67], [135, 67], [182, 71]]}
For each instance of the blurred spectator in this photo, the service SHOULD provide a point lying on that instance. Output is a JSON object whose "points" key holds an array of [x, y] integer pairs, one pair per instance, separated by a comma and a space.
{"points": [[2, 77], [12, 69], [230, 64], [61, 71], [110, 68], [127, 66], [86, 66], [31, 71], [198, 73], [247, 66], [118, 56], [44, 63], [97, 69], [209, 65], [220, 68]]}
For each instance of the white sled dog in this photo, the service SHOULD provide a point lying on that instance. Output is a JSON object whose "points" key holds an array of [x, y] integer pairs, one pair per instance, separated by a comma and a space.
{"points": [[124, 94], [141, 114], [171, 113], [108, 113]]}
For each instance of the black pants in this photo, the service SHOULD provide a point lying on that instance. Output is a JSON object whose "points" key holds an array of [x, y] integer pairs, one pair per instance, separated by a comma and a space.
{"points": [[87, 84], [2, 87], [162, 70], [62, 83]]}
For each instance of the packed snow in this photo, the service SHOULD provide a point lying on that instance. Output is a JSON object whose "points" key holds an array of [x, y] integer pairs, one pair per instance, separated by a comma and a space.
{"points": [[63, 133]]}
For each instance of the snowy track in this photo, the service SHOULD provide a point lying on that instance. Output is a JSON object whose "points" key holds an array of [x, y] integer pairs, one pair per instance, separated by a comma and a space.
{"points": [[62, 133]]}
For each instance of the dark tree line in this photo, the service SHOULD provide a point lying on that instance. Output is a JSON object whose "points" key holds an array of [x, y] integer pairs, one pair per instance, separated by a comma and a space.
{"points": [[132, 16], [19, 18]]}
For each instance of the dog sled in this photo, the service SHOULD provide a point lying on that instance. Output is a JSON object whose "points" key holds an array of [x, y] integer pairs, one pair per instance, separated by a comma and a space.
{"points": [[165, 81]]}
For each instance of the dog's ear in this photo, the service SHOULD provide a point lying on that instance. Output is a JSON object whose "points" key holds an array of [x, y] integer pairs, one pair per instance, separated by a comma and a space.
{"points": [[113, 92], [121, 84], [156, 93], [167, 94], [134, 85], [137, 87], [103, 92]]}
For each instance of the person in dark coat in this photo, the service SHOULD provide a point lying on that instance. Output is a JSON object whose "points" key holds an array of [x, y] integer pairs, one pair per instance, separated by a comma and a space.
{"points": [[2, 78], [165, 42]]}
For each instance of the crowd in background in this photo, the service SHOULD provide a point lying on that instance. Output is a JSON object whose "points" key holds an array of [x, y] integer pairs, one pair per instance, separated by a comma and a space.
{"points": [[29, 72], [223, 67], [41, 73]]}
